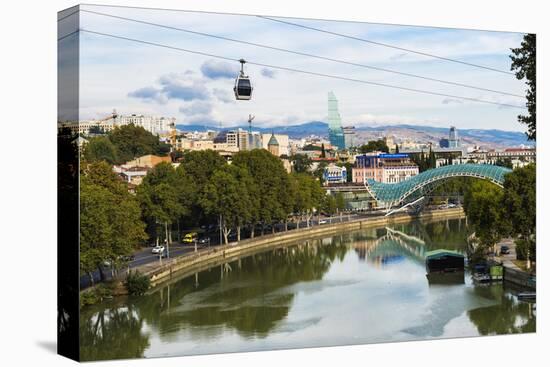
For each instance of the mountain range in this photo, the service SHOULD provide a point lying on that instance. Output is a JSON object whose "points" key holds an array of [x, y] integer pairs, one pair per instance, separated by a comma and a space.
{"points": [[487, 138]]}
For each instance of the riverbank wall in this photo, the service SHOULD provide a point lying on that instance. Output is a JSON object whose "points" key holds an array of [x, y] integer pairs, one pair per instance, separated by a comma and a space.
{"points": [[182, 266], [519, 277]]}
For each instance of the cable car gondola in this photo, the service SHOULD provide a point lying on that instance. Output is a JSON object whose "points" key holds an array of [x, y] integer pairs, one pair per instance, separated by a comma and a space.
{"points": [[243, 88]]}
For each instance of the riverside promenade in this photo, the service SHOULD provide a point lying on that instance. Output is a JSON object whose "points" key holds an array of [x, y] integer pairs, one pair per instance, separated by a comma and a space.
{"points": [[512, 272], [188, 264]]}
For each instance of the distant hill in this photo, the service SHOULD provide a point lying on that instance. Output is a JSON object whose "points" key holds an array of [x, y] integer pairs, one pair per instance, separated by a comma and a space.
{"points": [[318, 128], [493, 137]]}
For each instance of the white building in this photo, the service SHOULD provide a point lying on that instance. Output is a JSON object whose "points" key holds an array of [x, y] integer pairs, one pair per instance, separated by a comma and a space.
{"points": [[281, 139], [155, 125], [335, 174]]}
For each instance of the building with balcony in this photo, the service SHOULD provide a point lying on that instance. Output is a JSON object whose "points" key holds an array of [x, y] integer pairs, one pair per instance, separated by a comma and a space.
{"points": [[386, 168]]}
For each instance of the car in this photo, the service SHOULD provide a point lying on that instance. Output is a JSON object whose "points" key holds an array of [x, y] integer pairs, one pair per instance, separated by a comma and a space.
{"points": [[190, 237], [323, 221], [204, 240], [504, 250], [157, 249], [451, 206], [127, 258]]}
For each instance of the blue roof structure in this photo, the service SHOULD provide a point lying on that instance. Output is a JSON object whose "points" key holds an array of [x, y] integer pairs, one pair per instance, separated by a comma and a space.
{"points": [[397, 192]]}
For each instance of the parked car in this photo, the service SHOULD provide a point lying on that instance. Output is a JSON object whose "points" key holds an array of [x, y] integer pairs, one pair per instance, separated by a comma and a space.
{"points": [[323, 221], [504, 250], [157, 249]]}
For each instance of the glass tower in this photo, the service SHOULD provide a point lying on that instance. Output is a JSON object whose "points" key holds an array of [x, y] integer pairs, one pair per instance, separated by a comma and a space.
{"points": [[335, 131]]}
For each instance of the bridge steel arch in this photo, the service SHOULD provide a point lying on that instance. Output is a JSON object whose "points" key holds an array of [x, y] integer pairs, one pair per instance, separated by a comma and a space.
{"points": [[391, 194]]}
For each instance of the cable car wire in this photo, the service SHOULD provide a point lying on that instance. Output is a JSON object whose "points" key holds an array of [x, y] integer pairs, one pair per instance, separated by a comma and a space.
{"points": [[68, 35], [300, 71], [303, 54], [68, 15], [273, 18], [385, 45]]}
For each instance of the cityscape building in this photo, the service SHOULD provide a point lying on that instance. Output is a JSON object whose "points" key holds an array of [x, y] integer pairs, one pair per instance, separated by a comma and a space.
{"points": [[335, 131]]}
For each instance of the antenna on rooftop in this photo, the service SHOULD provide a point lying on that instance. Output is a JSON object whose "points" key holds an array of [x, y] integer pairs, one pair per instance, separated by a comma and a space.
{"points": [[250, 118]]}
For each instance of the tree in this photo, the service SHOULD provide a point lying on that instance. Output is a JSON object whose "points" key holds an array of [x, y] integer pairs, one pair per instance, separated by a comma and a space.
{"points": [[134, 141], [519, 200], [396, 149], [374, 146], [328, 205], [485, 214], [340, 203], [349, 170], [524, 64], [227, 196], [161, 198], [308, 196], [520, 208], [100, 149], [271, 180], [504, 162], [301, 163], [199, 166], [323, 153], [110, 223]]}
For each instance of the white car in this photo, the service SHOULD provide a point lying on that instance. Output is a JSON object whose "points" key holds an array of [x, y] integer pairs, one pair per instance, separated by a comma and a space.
{"points": [[157, 250], [323, 221]]}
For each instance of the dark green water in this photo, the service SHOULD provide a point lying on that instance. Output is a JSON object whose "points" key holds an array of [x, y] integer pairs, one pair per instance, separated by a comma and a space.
{"points": [[355, 288]]}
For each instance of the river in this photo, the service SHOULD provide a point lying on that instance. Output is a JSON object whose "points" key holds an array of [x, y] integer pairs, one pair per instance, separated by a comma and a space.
{"points": [[360, 287]]}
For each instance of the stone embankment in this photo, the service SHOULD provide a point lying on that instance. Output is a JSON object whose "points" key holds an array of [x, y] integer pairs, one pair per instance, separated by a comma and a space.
{"points": [[182, 266]]}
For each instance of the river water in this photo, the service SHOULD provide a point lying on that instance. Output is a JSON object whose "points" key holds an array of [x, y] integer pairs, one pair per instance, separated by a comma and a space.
{"points": [[360, 287]]}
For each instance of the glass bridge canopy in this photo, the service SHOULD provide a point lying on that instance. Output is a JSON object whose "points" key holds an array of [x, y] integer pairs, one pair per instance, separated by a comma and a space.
{"points": [[397, 192]]}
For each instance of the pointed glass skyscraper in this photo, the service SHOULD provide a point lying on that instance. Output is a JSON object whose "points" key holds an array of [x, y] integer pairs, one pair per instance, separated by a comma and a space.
{"points": [[335, 131]]}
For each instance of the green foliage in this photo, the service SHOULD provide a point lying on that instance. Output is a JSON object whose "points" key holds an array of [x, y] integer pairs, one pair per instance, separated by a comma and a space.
{"points": [[164, 196], [519, 201], [134, 141], [340, 201], [374, 146], [308, 194], [96, 294], [88, 298], [124, 144], [228, 196], [526, 248], [137, 284], [484, 212], [494, 212], [311, 147], [504, 162], [198, 168], [328, 205], [301, 163], [271, 180], [524, 63], [100, 149], [110, 224], [319, 171]]}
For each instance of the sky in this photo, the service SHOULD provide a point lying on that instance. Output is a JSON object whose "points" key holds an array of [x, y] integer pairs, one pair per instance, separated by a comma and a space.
{"points": [[198, 89]]}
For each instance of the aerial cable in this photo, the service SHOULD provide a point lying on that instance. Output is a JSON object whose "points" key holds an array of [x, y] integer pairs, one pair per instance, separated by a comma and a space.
{"points": [[304, 54], [298, 70], [385, 45]]}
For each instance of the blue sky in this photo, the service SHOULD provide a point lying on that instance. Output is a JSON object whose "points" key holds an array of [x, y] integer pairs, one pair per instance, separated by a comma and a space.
{"points": [[136, 78]]}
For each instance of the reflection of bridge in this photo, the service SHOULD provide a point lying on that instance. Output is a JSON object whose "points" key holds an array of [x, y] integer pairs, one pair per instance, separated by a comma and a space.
{"points": [[400, 241], [388, 195]]}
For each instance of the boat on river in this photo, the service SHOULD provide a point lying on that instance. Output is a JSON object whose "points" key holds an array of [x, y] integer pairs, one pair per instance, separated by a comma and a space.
{"points": [[444, 261]]}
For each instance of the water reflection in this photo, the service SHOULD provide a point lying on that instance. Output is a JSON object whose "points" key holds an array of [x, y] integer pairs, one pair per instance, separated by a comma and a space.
{"points": [[359, 287]]}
